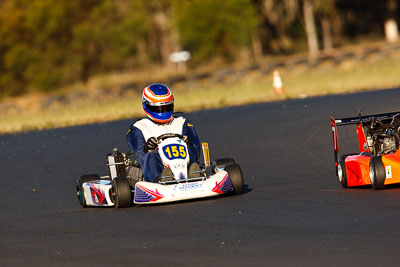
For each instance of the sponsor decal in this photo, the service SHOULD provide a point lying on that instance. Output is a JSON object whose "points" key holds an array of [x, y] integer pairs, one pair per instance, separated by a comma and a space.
{"points": [[334, 138], [98, 196], [224, 186], [179, 166], [388, 172], [143, 194], [365, 146], [187, 187]]}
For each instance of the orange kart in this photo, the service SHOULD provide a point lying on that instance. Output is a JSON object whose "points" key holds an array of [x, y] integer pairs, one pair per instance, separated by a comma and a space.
{"points": [[378, 163]]}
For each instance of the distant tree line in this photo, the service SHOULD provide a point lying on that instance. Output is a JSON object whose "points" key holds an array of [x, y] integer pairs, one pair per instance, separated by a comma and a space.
{"points": [[45, 44]]}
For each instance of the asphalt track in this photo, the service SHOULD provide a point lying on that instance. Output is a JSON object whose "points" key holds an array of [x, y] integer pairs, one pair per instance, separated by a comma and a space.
{"points": [[293, 212]]}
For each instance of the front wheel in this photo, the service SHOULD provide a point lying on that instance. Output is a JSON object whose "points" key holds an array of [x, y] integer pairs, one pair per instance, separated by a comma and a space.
{"points": [[235, 174], [377, 173], [79, 187], [121, 192], [221, 163]]}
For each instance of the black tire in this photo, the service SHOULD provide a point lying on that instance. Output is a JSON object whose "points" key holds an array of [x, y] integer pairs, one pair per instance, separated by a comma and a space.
{"points": [[121, 192], [342, 174], [236, 176], [377, 173], [81, 180], [220, 163]]}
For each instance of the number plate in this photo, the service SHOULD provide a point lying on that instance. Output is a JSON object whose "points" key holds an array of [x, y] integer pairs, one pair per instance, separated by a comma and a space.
{"points": [[174, 151]]}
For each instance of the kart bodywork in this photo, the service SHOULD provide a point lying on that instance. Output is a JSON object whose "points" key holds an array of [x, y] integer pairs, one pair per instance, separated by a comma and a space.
{"points": [[125, 184], [378, 160]]}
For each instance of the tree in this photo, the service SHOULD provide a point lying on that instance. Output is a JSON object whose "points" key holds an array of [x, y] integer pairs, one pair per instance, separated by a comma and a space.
{"points": [[209, 28], [33, 36], [326, 11], [47, 43], [106, 35], [162, 36], [309, 23], [280, 14]]}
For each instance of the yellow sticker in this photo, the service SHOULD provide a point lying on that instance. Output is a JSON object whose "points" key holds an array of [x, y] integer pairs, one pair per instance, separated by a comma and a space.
{"points": [[190, 125], [206, 153], [388, 172]]}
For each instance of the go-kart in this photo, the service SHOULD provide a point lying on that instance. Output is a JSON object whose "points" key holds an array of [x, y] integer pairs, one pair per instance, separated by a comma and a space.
{"points": [[378, 160], [124, 185]]}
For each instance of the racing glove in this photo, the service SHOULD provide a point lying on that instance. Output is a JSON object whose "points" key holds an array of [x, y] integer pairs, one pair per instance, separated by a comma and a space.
{"points": [[151, 144]]}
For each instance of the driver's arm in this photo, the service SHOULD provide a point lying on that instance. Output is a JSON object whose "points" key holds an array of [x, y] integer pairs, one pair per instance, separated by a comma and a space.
{"points": [[194, 144], [136, 143]]}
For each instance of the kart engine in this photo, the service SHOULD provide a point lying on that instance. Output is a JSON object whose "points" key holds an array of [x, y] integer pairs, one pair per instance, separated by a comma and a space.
{"points": [[383, 138], [385, 144]]}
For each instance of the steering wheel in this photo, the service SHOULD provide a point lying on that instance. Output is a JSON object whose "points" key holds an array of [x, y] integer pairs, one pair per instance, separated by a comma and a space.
{"points": [[169, 135]]}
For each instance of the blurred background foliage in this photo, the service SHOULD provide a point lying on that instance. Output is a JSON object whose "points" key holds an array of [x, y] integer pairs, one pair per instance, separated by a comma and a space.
{"points": [[46, 44]]}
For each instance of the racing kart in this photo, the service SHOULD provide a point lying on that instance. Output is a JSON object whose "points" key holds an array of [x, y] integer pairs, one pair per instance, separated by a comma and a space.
{"points": [[378, 160], [124, 185]]}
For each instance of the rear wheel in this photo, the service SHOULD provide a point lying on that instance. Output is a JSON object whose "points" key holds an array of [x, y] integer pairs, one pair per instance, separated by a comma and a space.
{"points": [[342, 174], [235, 174], [221, 163], [377, 173], [121, 192], [79, 189]]}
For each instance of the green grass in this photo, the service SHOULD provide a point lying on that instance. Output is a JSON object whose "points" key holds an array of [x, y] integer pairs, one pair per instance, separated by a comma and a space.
{"points": [[348, 77]]}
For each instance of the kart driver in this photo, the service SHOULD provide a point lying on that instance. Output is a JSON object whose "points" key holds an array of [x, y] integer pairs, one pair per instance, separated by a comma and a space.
{"points": [[158, 104]]}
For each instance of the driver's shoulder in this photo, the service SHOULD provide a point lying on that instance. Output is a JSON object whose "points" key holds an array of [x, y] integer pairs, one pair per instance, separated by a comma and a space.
{"points": [[183, 119], [179, 118], [142, 123], [177, 115]]}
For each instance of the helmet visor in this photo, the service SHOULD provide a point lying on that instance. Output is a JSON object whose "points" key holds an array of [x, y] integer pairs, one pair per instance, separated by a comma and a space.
{"points": [[161, 109]]}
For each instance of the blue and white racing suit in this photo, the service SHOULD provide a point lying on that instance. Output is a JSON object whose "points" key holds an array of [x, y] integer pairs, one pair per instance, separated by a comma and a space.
{"points": [[140, 131]]}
